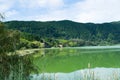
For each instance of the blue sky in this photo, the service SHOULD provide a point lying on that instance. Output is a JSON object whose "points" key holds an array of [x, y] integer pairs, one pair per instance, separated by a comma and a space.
{"points": [[97, 11]]}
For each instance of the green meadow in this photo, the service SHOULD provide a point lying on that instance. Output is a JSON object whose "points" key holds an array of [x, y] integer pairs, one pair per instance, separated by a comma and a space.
{"points": [[72, 59]]}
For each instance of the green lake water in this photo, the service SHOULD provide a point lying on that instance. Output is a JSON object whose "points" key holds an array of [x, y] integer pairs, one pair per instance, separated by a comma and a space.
{"points": [[72, 59]]}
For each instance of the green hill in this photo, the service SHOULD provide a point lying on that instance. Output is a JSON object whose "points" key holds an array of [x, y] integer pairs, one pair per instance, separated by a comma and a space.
{"points": [[68, 30]]}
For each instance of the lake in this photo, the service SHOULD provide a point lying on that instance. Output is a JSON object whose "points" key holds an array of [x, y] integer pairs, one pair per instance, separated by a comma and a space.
{"points": [[78, 63], [71, 61]]}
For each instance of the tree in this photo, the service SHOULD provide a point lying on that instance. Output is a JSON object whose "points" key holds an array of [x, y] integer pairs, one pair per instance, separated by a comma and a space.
{"points": [[8, 39], [13, 67]]}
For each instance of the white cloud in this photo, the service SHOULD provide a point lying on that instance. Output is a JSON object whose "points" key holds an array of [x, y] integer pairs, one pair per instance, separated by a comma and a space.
{"points": [[86, 11], [41, 3], [11, 13], [54, 15], [5, 5], [6, 8], [98, 10], [44, 10]]}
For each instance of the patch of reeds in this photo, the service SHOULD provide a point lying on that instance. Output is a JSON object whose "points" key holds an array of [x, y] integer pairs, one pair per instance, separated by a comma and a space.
{"points": [[15, 67]]}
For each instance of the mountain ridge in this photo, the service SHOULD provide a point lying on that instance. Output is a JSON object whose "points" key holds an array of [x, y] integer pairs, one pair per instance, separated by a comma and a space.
{"points": [[66, 29]]}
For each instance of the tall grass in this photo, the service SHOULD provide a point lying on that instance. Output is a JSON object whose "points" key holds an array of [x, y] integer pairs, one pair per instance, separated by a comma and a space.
{"points": [[15, 67]]}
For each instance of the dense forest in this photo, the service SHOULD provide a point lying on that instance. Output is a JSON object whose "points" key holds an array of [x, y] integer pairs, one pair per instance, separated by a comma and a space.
{"points": [[66, 33]]}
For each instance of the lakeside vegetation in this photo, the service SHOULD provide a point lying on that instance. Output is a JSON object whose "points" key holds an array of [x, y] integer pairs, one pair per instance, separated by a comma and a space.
{"points": [[35, 34], [12, 65]]}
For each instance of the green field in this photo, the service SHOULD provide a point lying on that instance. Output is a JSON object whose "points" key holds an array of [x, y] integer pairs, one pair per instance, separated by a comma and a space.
{"points": [[71, 59]]}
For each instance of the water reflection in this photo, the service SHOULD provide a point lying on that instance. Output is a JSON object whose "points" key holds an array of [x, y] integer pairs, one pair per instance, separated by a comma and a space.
{"points": [[15, 67], [85, 74]]}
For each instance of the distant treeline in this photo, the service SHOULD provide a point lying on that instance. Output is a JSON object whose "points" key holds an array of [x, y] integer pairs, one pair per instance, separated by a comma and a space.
{"points": [[67, 33]]}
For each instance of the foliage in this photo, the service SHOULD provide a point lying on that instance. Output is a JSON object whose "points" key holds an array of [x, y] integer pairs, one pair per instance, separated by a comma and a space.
{"points": [[13, 66], [50, 32], [26, 44], [16, 67], [9, 39]]}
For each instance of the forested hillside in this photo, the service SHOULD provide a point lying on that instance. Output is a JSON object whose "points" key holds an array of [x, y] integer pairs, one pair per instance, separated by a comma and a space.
{"points": [[82, 33]]}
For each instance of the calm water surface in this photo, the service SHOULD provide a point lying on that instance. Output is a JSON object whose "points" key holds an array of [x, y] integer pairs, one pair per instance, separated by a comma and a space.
{"points": [[80, 63], [72, 59]]}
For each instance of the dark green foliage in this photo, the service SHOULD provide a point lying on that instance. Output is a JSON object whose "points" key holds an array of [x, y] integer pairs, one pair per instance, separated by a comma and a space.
{"points": [[9, 39], [91, 34], [16, 67], [12, 65]]}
